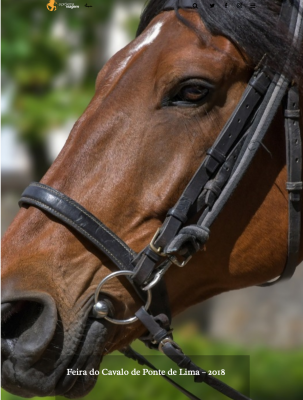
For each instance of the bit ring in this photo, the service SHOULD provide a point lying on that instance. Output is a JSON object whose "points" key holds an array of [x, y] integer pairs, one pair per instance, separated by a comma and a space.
{"points": [[113, 320]]}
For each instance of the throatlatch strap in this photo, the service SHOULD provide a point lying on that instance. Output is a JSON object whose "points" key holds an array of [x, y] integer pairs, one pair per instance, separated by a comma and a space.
{"points": [[294, 183], [77, 217]]}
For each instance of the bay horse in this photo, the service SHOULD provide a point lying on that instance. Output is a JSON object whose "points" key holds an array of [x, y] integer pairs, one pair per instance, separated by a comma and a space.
{"points": [[160, 104]]}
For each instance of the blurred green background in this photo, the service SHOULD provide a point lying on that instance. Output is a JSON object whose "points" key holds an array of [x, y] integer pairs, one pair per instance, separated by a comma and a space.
{"points": [[50, 61]]}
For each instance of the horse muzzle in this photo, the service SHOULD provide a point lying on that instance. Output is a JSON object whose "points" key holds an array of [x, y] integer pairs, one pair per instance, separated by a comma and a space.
{"points": [[28, 325], [37, 351]]}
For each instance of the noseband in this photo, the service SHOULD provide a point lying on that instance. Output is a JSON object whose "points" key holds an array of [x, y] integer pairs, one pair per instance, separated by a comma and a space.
{"points": [[176, 241]]}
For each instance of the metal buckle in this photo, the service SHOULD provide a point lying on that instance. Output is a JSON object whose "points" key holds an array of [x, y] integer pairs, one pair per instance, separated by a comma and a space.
{"points": [[153, 247], [159, 251], [168, 340], [175, 261]]}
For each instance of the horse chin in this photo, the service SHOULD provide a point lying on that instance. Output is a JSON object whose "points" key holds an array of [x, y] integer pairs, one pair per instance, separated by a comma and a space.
{"points": [[50, 372]]}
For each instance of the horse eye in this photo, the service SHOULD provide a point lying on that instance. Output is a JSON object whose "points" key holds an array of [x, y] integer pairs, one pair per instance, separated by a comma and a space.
{"points": [[189, 94], [192, 93]]}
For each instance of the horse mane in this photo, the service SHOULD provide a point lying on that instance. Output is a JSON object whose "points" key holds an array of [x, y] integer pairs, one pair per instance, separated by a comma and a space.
{"points": [[256, 31]]}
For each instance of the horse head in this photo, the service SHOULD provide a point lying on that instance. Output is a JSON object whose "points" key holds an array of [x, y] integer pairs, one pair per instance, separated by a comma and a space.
{"points": [[159, 105]]}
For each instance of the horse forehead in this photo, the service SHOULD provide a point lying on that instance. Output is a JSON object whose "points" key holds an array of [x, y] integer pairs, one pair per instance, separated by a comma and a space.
{"points": [[141, 43], [171, 30], [167, 32], [147, 37], [167, 44]]}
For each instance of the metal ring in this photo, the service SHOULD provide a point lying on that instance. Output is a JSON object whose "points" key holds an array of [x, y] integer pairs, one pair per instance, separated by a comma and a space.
{"points": [[121, 321]]}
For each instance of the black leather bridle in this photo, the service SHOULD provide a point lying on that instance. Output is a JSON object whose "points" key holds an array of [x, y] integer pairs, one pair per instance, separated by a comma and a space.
{"points": [[206, 194]]}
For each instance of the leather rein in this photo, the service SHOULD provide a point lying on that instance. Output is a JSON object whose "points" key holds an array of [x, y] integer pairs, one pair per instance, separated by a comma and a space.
{"points": [[176, 242]]}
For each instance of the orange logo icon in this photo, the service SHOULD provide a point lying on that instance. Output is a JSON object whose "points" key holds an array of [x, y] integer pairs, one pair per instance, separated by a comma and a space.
{"points": [[51, 5]]}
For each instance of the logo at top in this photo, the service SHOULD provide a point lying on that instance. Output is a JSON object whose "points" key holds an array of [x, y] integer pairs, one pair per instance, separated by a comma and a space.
{"points": [[51, 5]]}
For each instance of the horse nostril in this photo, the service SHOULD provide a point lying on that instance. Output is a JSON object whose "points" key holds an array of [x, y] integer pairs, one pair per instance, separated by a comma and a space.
{"points": [[29, 324], [18, 316], [6, 310]]}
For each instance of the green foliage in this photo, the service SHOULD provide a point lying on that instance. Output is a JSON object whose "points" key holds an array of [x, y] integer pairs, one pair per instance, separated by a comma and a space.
{"points": [[34, 57], [35, 115], [131, 26]]}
